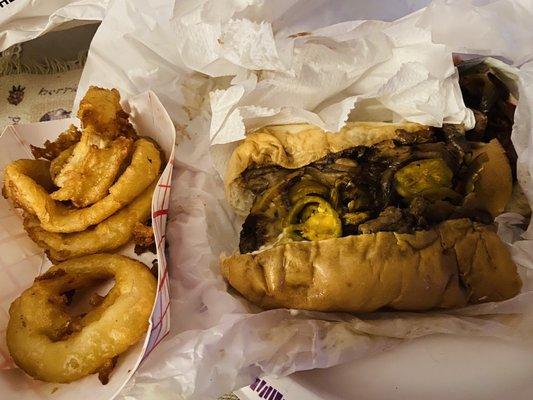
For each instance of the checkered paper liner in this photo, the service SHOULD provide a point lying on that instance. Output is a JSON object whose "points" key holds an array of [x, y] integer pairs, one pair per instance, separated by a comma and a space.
{"points": [[21, 260]]}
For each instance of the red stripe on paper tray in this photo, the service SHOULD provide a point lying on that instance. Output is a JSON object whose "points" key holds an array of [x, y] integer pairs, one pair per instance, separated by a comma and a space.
{"points": [[162, 317], [159, 213], [155, 345], [163, 279], [161, 241]]}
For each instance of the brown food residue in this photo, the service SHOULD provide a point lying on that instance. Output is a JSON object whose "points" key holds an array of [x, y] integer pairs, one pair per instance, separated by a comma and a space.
{"points": [[299, 34]]}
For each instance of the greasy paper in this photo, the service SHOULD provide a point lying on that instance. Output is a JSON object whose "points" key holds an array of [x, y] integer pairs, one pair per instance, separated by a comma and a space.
{"points": [[21, 260], [224, 66]]}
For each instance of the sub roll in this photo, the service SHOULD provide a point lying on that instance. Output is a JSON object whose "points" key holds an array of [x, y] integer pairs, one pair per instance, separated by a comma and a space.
{"points": [[376, 216]]}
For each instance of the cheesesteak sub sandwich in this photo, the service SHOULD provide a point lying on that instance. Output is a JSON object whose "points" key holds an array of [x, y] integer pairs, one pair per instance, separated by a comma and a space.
{"points": [[376, 216]]}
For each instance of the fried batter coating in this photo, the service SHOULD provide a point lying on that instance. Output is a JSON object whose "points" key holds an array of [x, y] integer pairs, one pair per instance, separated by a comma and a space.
{"points": [[52, 150], [95, 162], [58, 163], [105, 371], [143, 237], [100, 108], [91, 169], [22, 186], [51, 345], [108, 235]]}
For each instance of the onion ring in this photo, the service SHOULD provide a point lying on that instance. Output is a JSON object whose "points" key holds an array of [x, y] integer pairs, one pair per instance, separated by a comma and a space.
{"points": [[51, 345], [91, 169], [100, 108], [37, 170], [57, 164], [107, 235], [28, 194]]}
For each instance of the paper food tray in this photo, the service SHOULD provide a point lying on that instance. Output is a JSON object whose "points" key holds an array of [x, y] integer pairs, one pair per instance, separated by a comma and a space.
{"points": [[21, 260]]}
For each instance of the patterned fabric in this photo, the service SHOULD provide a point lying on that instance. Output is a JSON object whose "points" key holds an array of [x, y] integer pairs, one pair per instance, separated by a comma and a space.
{"points": [[32, 98], [37, 92]]}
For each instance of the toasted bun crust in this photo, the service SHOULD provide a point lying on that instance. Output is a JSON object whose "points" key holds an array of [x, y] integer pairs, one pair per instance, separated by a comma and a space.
{"points": [[456, 263], [293, 146]]}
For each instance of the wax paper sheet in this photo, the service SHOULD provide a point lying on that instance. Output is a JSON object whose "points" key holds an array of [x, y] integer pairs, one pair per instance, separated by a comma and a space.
{"points": [[222, 67], [21, 260], [23, 20]]}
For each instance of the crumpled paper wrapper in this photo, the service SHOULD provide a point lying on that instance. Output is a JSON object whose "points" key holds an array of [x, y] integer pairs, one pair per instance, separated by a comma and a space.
{"points": [[21, 260], [23, 20], [222, 67]]}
